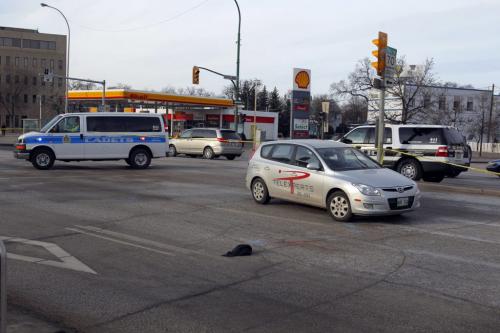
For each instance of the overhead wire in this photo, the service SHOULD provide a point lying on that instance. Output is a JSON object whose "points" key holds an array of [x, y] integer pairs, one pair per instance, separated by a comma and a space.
{"points": [[172, 18]]}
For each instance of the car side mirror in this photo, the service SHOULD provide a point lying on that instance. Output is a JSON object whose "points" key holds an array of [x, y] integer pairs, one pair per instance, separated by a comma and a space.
{"points": [[346, 140], [313, 166]]}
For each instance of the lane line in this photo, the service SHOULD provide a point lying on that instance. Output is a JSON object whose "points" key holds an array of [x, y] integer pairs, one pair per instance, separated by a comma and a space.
{"points": [[454, 258], [122, 242]]}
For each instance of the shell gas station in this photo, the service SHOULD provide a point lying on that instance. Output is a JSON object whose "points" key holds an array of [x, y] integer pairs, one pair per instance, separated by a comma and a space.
{"points": [[180, 112]]}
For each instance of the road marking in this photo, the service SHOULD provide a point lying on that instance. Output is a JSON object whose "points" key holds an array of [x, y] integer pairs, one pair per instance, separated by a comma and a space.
{"points": [[473, 262], [120, 242], [66, 260]]}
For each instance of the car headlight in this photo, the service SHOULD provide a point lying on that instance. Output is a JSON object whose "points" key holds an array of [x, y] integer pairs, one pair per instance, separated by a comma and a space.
{"points": [[366, 189]]}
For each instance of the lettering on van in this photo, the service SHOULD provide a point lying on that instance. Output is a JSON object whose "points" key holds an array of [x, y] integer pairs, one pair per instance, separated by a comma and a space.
{"points": [[289, 181], [109, 139]]}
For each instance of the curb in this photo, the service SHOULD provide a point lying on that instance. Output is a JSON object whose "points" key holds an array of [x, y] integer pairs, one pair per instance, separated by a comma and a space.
{"points": [[464, 190]]}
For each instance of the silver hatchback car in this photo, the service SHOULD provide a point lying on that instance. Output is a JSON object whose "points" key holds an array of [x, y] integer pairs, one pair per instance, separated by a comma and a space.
{"points": [[207, 142], [330, 175]]}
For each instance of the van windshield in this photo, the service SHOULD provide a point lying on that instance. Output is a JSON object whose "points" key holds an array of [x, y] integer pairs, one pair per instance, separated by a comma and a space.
{"points": [[50, 124]]}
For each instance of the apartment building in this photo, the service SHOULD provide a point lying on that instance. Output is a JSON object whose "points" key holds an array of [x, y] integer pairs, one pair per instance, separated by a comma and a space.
{"points": [[24, 55]]}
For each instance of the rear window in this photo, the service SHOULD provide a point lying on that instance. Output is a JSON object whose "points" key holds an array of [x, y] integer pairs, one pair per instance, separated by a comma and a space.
{"points": [[230, 135], [123, 124], [453, 136], [421, 136], [266, 151]]}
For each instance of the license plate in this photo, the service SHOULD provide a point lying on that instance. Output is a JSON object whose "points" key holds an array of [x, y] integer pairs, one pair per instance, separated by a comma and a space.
{"points": [[402, 202]]}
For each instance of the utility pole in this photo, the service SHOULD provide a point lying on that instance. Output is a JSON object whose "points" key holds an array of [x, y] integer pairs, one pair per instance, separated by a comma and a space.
{"points": [[237, 68], [488, 137]]}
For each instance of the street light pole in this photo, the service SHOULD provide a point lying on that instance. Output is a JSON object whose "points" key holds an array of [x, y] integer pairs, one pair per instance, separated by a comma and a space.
{"points": [[237, 67], [67, 55]]}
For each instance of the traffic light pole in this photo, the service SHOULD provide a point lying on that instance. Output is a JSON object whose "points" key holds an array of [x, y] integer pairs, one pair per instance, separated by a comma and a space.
{"points": [[381, 126]]}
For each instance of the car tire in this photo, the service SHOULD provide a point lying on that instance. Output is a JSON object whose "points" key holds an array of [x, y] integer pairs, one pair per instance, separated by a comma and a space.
{"points": [[260, 192], [230, 157], [208, 153], [454, 173], [43, 159], [140, 158], [127, 160], [339, 207], [434, 178], [172, 151], [410, 168]]}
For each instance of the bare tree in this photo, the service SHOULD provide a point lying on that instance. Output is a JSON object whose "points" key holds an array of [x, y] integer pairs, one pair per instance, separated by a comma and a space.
{"points": [[11, 95], [411, 84], [80, 85]]}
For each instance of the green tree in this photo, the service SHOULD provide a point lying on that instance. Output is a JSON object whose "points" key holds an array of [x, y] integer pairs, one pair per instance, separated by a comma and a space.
{"points": [[275, 101], [263, 99]]}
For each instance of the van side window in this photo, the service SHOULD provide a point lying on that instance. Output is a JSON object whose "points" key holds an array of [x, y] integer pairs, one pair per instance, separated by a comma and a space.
{"points": [[123, 124], [266, 151], [387, 136], [282, 153], [204, 134], [421, 135], [67, 125], [186, 134], [357, 136]]}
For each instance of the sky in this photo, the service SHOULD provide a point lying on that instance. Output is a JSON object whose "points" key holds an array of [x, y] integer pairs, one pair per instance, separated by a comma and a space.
{"points": [[151, 44]]}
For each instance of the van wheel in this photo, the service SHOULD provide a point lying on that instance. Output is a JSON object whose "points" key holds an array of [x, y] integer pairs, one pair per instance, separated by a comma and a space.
{"points": [[259, 191], [127, 160], [140, 158], [173, 151], [434, 178], [410, 168], [208, 153], [339, 207], [43, 159], [230, 157], [454, 173]]}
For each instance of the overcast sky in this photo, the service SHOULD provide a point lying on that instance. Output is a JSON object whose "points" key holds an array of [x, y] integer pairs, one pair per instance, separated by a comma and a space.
{"points": [[154, 43]]}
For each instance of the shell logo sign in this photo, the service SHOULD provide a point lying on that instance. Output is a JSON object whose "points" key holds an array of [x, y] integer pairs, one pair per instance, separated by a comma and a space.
{"points": [[301, 79]]}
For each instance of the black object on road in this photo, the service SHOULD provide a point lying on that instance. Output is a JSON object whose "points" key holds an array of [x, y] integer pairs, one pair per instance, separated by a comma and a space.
{"points": [[240, 250]]}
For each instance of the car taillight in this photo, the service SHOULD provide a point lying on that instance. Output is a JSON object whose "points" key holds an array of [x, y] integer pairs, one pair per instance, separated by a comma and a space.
{"points": [[222, 140], [442, 151], [20, 147]]}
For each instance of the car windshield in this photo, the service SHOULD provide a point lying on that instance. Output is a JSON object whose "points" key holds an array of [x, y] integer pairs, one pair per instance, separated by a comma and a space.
{"points": [[346, 158], [50, 124]]}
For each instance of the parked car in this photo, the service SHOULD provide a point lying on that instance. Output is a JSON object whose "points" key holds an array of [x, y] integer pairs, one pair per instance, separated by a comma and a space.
{"points": [[136, 138], [494, 166], [329, 175], [416, 151], [207, 142]]}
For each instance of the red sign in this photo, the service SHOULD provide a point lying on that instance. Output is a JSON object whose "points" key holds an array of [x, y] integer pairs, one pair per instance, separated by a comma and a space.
{"points": [[213, 117]]}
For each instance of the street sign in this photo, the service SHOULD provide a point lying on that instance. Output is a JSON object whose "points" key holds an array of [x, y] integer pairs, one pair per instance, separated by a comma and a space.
{"points": [[390, 62], [301, 124], [48, 75]]}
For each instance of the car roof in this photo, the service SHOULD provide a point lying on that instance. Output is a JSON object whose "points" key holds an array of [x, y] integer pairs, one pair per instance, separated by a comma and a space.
{"points": [[212, 128], [311, 143], [128, 114], [408, 125]]}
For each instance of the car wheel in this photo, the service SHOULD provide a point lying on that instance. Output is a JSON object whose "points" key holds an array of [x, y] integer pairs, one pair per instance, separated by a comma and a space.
{"points": [[339, 207], [410, 168], [454, 173], [208, 153], [259, 191], [434, 178], [230, 157], [172, 151], [140, 158], [43, 159], [127, 160]]}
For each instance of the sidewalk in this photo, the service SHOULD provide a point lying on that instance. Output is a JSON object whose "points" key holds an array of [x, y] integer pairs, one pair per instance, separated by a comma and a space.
{"points": [[8, 139]]}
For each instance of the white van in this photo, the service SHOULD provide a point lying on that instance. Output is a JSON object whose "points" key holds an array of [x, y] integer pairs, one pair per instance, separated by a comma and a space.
{"points": [[136, 138]]}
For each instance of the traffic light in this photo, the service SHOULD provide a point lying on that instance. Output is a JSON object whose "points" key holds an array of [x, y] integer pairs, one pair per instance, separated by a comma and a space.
{"points": [[381, 43], [196, 75]]}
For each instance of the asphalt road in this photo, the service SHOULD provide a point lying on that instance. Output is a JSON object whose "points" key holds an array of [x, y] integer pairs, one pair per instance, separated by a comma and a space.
{"points": [[140, 251]]}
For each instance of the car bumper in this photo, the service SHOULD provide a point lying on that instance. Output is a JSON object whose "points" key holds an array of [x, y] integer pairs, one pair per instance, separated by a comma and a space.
{"points": [[384, 205], [22, 154], [228, 151]]}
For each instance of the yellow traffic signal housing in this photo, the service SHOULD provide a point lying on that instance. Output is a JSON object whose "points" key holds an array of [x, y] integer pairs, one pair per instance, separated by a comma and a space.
{"points": [[196, 75], [381, 43]]}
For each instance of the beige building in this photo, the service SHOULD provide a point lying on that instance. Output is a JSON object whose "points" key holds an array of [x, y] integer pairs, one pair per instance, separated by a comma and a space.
{"points": [[24, 55]]}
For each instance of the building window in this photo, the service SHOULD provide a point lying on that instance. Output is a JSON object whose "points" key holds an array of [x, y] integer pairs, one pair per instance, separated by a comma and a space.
{"points": [[25, 98], [16, 42], [43, 82], [0, 60], [16, 79], [7, 97], [25, 62], [7, 60], [34, 62], [60, 64], [470, 104], [33, 99], [59, 82], [7, 78], [427, 101], [16, 62], [456, 103], [34, 80], [442, 102], [43, 63], [25, 80], [43, 98], [52, 64]]}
